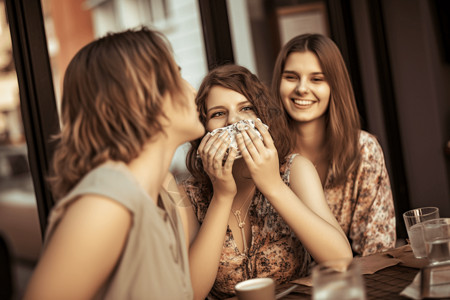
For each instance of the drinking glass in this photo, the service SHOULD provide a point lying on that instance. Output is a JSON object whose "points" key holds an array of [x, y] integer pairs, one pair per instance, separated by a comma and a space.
{"points": [[339, 279], [436, 234], [413, 222]]}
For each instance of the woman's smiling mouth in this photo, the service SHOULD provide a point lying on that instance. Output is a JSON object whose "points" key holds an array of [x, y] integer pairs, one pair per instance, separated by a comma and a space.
{"points": [[302, 102]]}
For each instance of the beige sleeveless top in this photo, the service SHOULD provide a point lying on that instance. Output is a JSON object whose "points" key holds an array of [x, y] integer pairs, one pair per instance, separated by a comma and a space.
{"points": [[154, 262]]}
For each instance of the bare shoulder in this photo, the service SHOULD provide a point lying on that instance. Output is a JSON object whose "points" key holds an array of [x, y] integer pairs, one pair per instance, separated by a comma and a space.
{"points": [[89, 202], [303, 171], [82, 250], [97, 214], [301, 164]]}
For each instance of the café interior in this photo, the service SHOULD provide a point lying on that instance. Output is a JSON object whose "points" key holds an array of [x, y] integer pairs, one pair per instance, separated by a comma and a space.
{"points": [[397, 53]]}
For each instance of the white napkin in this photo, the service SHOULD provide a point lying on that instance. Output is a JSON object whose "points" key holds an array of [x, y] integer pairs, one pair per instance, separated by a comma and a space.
{"points": [[233, 129]]}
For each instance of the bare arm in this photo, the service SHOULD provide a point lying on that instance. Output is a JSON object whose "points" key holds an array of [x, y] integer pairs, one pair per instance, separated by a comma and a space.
{"points": [[305, 210], [82, 251], [302, 206], [206, 249], [206, 241]]}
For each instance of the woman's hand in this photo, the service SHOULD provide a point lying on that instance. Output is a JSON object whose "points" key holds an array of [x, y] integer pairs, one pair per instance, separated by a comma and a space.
{"points": [[212, 150], [261, 156]]}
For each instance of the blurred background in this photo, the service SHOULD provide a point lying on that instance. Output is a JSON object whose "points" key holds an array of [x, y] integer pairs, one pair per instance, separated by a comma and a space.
{"points": [[397, 52]]}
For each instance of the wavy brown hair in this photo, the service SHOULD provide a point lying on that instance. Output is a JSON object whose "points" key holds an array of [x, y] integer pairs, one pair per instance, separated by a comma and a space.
{"points": [[241, 80], [342, 117], [112, 102]]}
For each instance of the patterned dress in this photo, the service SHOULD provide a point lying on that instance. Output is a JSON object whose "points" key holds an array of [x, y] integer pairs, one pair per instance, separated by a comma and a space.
{"points": [[363, 205], [274, 252]]}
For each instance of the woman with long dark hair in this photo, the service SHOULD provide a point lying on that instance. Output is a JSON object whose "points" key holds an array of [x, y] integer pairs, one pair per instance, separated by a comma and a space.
{"points": [[312, 86]]}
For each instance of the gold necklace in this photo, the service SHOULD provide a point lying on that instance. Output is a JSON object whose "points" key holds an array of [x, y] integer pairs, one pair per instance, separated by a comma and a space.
{"points": [[241, 222]]}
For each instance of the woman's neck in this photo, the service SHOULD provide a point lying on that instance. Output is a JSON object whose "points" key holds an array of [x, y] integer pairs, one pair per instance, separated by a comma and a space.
{"points": [[311, 140], [243, 179], [150, 168]]}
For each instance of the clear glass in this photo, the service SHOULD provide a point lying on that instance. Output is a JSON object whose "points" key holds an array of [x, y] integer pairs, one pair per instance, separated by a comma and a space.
{"points": [[413, 222], [436, 234], [340, 279]]}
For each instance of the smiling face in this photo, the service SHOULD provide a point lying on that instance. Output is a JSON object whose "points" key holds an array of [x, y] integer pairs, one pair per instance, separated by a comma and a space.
{"points": [[225, 107], [304, 91]]}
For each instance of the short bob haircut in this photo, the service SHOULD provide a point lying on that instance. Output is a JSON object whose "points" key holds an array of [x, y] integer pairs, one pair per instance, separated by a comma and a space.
{"points": [[112, 102], [241, 80], [342, 118]]}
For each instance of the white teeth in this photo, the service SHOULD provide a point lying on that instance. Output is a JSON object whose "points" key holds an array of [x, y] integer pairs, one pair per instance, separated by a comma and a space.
{"points": [[303, 102]]}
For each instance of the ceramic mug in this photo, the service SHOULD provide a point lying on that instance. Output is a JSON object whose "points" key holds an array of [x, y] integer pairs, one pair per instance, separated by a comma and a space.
{"points": [[256, 289]]}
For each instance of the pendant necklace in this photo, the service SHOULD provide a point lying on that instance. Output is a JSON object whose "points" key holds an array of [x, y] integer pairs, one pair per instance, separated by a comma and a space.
{"points": [[240, 221]]}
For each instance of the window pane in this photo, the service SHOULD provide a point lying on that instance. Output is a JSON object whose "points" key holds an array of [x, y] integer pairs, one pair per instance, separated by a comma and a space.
{"points": [[72, 24]]}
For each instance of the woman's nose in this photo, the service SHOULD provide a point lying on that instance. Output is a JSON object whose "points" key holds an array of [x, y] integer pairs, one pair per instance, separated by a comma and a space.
{"points": [[302, 87], [233, 118]]}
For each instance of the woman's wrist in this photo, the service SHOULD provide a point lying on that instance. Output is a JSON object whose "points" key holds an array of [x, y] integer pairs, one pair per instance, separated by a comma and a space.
{"points": [[272, 190], [220, 198]]}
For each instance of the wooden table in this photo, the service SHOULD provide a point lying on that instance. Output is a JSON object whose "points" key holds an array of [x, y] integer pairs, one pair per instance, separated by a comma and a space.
{"points": [[384, 284]]}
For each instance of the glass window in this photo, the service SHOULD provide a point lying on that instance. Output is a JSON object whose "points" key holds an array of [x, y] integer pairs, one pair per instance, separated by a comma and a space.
{"points": [[71, 24]]}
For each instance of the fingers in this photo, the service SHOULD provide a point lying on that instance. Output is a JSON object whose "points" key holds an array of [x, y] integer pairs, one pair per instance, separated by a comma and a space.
{"points": [[267, 138], [230, 159], [203, 143], [212, 144], [250, 142], [212, 151], [253, 149]]}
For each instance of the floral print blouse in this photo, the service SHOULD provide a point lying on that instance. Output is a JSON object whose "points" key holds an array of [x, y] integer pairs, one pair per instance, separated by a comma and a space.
{"points": [[363, 205], [274, 252]]}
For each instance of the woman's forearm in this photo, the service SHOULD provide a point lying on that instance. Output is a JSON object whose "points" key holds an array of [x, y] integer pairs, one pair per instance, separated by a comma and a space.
{"points": [[206, 249], [322, 239]]}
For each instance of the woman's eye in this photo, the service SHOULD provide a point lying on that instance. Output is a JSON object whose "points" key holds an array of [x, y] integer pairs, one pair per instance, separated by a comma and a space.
{"points": [[246, 108], [216, 114], [318, 79], [290, 77]]}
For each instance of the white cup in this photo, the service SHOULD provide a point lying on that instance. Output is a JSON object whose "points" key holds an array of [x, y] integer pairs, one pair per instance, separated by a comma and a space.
{"points": [[413, 222], [339, 279], [256, 289]]}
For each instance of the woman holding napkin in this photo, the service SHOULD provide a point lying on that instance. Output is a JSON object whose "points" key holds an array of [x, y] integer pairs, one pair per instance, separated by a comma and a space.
{"points": [[261, 215]]}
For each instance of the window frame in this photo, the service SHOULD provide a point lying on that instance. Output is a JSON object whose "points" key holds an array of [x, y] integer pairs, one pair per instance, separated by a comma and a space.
{"points": [[37, 97]]}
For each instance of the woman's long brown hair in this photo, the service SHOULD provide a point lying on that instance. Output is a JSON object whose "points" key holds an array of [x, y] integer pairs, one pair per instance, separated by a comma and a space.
{"points": [[111, 104], [342, 118], [241, 80]]}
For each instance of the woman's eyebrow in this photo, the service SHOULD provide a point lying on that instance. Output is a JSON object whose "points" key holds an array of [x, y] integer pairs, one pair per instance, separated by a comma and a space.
{"points": [[295, 73], [214, 107]]}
